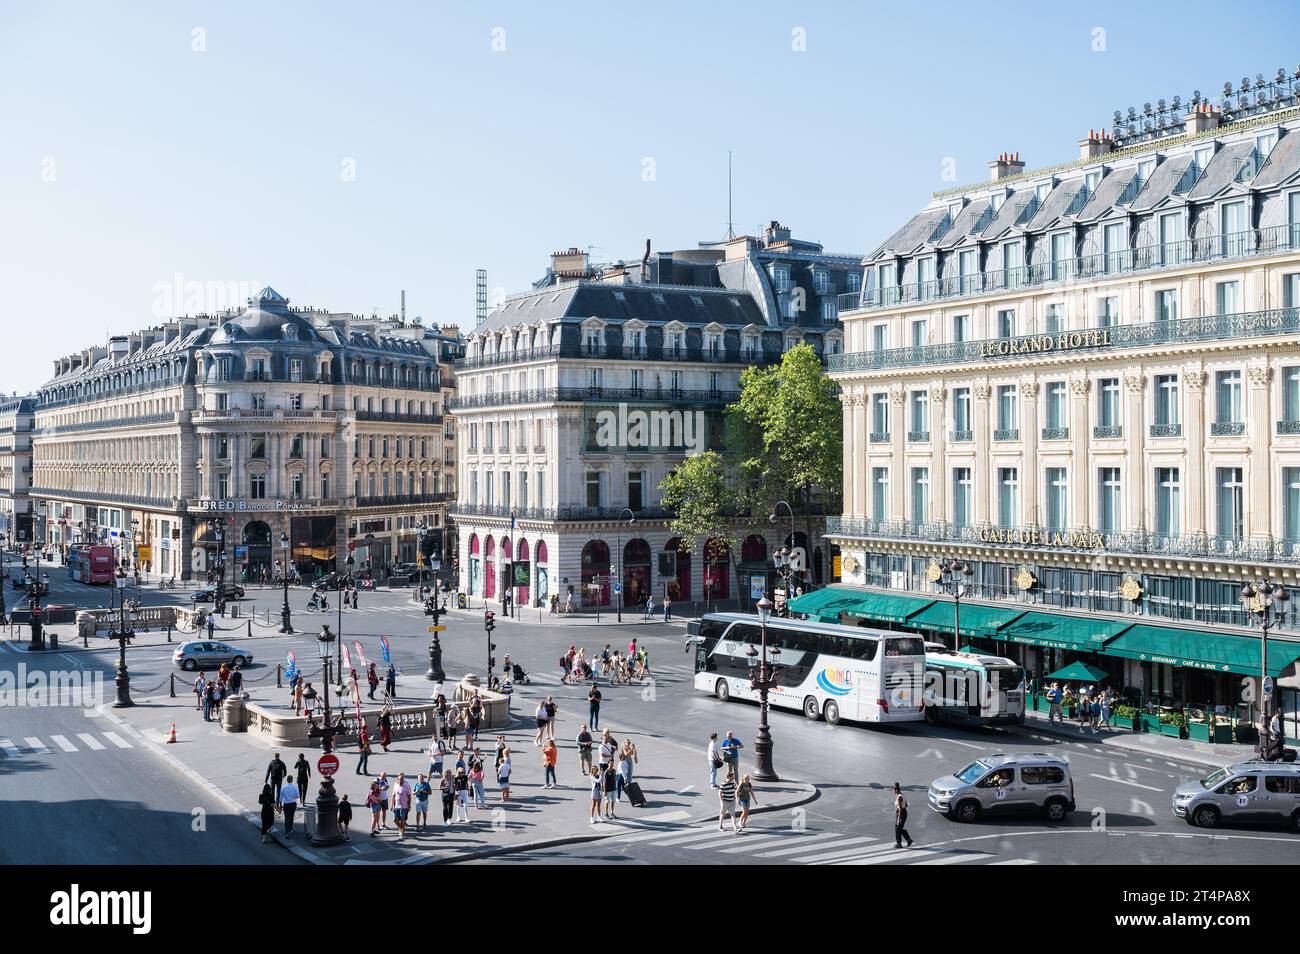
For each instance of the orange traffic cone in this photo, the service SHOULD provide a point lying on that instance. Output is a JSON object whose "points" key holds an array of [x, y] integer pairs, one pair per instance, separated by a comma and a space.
{"points": [[171, 736]]}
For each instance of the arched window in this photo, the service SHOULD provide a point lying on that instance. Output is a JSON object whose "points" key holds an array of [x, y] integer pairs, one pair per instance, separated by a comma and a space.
{"points": [[595, 570]]}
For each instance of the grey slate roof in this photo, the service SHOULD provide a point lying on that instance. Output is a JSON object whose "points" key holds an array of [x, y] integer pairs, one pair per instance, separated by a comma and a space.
{"points": [[1055, 205], [1161, 184], [1283, 163], [1221, 171], [653, 304], [961, 227], [1007, 215], [913, 234], [1109, 189]]}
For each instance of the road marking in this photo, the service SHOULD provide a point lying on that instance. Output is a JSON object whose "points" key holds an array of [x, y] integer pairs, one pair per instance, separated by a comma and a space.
{"points": [[63, 743], [749, 842], [36, 745], [117, 740], [9, 748], [956, 858], [805, 840], [854, 852], [1125, 781], [1015, 861], [969, 745], [91, 741], [878, 857], [679, 814]]}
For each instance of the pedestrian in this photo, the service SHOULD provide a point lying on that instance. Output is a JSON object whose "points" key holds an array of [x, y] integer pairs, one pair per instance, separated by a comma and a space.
{"points": [[1085, 708], [288, 805], [744, 796], [900, 818], [668, 608], [609, 788], [386, 726], [199, 683], [374, 801], [584, 750], [209, 698], [731, 747], [473, 719], [212, 626], [223, 675], [372, 678], [1105, 708], [267, 800], [649, 609], [384, 787], [363, 753], [437, 754], [390, 682], [354, 597], [345, 815], [727, 802], [549, 756], [461, 784], [568, 601], [476, 783], [597, 785], [715, 760], [236, 681], [422, 791], [447, 790], [593, 706], [1053, 703], [626, 760], [551, 711], [302, 772], [503, 775], [401, 804], [296, 696], [608, 748], [275, 773], [542, 720]]}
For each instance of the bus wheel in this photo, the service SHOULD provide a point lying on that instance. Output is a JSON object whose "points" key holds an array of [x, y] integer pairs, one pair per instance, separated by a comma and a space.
{"points": [[811, 709], [722, 691], [832, 712]]}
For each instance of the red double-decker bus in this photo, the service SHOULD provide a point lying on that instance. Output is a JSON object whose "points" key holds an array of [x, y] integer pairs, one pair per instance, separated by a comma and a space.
{"points": [[91, 564]]}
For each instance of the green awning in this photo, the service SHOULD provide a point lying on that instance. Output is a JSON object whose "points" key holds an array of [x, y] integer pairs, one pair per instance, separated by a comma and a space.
{"points": [[1079, 672], [1077, 633], [826, 605], [975, 620], [1221, 652]]}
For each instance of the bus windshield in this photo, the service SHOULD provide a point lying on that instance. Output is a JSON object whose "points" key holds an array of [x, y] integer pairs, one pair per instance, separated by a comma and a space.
{"points": [[905, 646]]}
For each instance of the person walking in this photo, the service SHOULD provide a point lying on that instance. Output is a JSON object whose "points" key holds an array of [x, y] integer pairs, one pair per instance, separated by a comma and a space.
{"points": [[549, 756], [744, 796], [390, 682], [476, 783], [363, 753], [447, 791], [649, 609], [372, 678], [345, 815], [386, 726], [200, 681], [584, 750], [503, 775], [275, 773], [715, 760], [609, 788], [551, 711], [374, 802], [384, 788], [288, 805], [1105, 708], [401, 804], [668, 608], [422, 791], [593, 706], [461, 784], [236, 681], [900, 818], [1053, 703], [209, 699], [267, 801], [542, 720], [354, 597], [727, 802], [302, 772], [212, 626], [437, 755], [597, 786], [731, 747]]}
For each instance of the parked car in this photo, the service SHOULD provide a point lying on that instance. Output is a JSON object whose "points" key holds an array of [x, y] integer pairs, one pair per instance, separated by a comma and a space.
{"points": [[1251, 792], [1024, 782], [209, 654], [229, 591]]}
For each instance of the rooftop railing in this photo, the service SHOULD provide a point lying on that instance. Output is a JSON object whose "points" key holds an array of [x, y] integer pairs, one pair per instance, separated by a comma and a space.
{"points": [[553, 395]]}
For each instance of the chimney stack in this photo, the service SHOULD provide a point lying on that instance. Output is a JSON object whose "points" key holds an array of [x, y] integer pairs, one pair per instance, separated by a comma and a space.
{"points": [[1202, 118], [1098, 143], [1006, 165]]}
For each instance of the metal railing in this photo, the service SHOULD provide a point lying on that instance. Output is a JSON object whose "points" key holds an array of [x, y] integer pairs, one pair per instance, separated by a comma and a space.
{"points": [[463, 509], [1056, 434], [552, 395], [688, 353], [398, 417]]}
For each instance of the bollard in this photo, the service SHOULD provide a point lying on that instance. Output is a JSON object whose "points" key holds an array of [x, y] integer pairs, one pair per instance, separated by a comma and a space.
{"points": [[169, 632], [277, 676], [172, 678], [250, 629]]}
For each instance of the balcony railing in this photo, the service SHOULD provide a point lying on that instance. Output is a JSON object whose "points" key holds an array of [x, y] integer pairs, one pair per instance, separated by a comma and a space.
{"points": [[880, 437], [1166, 430], [1227, 428], [140, 420], [1277, 322], [1006, 434], [399, 500], [1253, 549], [105, 497], [1103, 431], [686, 353], [463, 509], [959, 436], [398, 417], [553, 395], [918, 437], [1287, 428], [1056, 434], [1211, 248]]}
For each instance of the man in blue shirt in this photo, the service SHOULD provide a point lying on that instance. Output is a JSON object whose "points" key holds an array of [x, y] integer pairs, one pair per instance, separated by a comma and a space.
{"points": [[731, 747]]}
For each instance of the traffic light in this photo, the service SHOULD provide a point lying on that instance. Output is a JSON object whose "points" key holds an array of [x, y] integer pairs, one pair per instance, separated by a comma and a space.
{"points": [[489, 621]]}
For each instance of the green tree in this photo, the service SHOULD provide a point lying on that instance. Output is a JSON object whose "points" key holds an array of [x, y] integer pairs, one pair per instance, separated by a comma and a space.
{"points": [[701, 493]]}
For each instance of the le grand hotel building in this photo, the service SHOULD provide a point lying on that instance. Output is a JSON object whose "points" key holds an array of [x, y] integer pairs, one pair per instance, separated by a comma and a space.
{"points": [[1084, 381]]}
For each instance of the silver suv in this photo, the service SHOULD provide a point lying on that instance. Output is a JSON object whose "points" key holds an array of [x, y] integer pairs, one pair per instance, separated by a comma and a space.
{"points": [[1025, 782], [1253, 792]]}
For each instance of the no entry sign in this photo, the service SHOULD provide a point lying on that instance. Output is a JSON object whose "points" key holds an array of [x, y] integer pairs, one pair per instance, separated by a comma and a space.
{"points": [[327, 764]]}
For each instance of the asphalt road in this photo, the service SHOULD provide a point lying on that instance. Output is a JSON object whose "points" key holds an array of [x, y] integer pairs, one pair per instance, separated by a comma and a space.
{"points": [[1123, 798]]}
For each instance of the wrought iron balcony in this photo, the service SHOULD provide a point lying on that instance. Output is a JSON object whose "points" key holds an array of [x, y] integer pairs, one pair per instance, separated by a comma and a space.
{"points": [[918, 437], [1099, 340], [1056, 434], [1006, 434], [1166, 430], [1227, 428], [554, 395], [959, 436], [1253, 549], [1213, 248], [1103, 431], [880, 437], [398, 417], [462, 509], [682, 352], [400, 500], [1286, 428]]}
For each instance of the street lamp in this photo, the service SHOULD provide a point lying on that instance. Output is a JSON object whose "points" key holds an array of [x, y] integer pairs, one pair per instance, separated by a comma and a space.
{"points": [[286, 622], [785, 570], [123, 680], [1265, 604], [327, 802], [954, 578], [764, 680], [344, 585], [219, 600], [618, 545], [34, 605], [772, 518]]}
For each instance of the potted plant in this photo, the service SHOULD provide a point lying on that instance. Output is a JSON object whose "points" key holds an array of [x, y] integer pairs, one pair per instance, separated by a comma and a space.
{"points": [[1150, 720], [1126, 717], [1173, 723], [1068, 703]]}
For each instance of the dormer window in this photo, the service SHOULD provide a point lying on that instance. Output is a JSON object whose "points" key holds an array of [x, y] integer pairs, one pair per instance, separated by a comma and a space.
{"points": [[781, 277], [591, 341]]}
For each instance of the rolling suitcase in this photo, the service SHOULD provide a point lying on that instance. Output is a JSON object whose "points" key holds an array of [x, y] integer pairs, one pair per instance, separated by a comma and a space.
{"points": [[634, 794]]}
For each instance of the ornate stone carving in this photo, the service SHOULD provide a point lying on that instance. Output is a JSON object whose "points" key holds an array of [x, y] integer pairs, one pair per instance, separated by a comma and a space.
{"points": [[897, 396], [938, 396], [1080, 385], [1136, 383], [982, 391], [1259, 377], [1030, 390], [1195, 379]]}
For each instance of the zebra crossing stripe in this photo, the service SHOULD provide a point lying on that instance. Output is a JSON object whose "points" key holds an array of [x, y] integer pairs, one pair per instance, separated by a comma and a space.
{"points": [[91, 741], [860, 852], [1016, 861], [805, 841], [63, 743], [880, 857], [860, 842], [955, 858], [662, 838], [117, 740], [9, 748], [748, 842], [36, 745]]}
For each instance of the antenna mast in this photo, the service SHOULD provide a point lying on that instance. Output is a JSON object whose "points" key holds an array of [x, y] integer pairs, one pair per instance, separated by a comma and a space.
{"points": [[480, 296], [731, 232]]}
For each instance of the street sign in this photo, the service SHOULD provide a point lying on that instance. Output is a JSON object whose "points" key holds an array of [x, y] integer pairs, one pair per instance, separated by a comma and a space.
{"points": [[327, 764], [437, 629], [1268, 686], [618, 587]]}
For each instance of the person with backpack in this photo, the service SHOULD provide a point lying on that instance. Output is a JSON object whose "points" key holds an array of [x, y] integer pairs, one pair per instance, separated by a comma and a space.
{"points": [[275, 773], [584, 750], [551, 711], [302, 771], [372, 678], [363, 753], [900, 818], [390, 682], [345, 815], [715, 760]]}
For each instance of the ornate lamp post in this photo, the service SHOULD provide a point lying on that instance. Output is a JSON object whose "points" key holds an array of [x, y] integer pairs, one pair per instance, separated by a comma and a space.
{"points": [[327, 802], [344, 585], [763, 680], [286, 622], [34, 603], [123, 680], [1265, 604], [790, 510], [785, 570], [954, 578], [618, 545]]}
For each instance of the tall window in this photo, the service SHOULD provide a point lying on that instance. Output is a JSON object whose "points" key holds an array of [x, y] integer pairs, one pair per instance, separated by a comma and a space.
{"points": [[880, 492], [635, 484], [1061, 256], [1168, 506], [1167, 304], [920, 494], [1008, 407], [1013, 260], [1008, 496], [1229, 493], [257, 447], [1227, 297], [1172, 248], [1291, 283], [1057, 488], [1167, 399], [1233, 235], [489, 479], [1007, 323], [1228, 393], [961, 409], [1113, 247], [1108, 312], [297, 484], [920, 332], [1291, 504], [920, 411], [1054, 320], [925, 278], [595, 488], [960, 327], [961, 496], [1108, 402], [257, 486], [880, 413], [1056, 409], [968, 271], [1291, 394], [505, 488], [1109, 500], [879, 337]]}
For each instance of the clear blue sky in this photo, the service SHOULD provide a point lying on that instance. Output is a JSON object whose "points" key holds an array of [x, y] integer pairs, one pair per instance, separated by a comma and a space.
{"points": [[129, 158]]}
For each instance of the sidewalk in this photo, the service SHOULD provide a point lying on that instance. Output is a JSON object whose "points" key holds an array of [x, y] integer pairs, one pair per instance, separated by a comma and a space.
{"points": [[1143, 743], [232, 766]]}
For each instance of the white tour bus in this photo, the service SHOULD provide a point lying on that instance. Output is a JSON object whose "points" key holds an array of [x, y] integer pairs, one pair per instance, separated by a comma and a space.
{"points": [[972, 688], [826, 670]]}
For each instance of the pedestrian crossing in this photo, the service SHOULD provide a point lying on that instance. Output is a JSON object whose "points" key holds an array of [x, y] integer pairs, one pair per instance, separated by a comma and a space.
{"points": [[33, 745], [799, 846], [658, 674]]}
